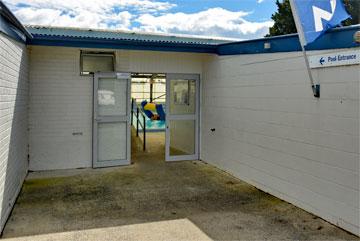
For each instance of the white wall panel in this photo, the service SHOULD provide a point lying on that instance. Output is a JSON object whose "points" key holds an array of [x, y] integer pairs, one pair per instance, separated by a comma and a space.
{"points": [[159, 62], [272, 133], [60, 110], [13, 122]]}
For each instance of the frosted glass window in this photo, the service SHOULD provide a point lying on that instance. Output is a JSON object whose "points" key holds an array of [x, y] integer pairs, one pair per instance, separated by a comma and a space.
{"points": [[112, 97], [182, 137], [111, 141], [97, 62], [182, 97]]}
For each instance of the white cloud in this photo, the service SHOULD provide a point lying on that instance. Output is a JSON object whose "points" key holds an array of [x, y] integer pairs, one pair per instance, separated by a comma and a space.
{"points": [[260, 1], [147, 15], [83, 13], [83, 19], [212, 22]]}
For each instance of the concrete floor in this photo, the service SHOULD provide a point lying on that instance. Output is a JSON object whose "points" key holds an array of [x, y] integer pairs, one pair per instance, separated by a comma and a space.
{"points": [[175, 230], [222, 207]]}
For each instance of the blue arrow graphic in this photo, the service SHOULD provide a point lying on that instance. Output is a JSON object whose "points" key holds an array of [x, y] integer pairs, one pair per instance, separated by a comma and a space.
{"points": [[322, 60]]}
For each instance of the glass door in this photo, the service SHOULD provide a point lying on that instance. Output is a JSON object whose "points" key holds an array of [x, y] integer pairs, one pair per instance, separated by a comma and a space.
{"points": [[111, 124], [182, 117]]}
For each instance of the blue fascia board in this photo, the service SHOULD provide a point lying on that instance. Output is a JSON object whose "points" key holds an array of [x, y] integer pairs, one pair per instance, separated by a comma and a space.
{"points": [[337, 38], [333, 39], [120, 44], [288, 44]]}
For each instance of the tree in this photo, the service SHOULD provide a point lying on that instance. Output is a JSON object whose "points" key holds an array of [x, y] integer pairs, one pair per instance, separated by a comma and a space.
{"points": [[353, 8], [284, 21]]}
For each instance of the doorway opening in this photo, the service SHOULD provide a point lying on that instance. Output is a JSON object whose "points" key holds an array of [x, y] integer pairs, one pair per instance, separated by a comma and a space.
{"points": [[148, 118], [165, 117]]}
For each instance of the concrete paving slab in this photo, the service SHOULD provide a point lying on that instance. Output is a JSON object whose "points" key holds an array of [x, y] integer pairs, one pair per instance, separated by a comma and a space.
{"points": [[175, 230]]}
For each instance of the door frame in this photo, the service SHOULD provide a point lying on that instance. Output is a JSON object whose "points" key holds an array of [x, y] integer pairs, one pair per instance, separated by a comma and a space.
{"points": [[195, 117], [111, 119]]}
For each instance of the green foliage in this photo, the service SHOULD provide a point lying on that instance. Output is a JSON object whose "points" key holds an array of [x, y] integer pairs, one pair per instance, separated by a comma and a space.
{"points": [[353, 8], [284, 21]]}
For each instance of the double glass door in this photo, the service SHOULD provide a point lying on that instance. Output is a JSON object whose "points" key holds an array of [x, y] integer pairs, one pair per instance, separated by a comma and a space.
{"points": [[111, 122]]}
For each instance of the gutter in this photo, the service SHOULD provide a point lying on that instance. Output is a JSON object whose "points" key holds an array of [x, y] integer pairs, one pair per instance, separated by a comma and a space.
{"points": [[6, 13]]}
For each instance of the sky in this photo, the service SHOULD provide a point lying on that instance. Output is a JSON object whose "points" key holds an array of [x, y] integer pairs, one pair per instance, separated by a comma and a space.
{"points": [[234, 19]]}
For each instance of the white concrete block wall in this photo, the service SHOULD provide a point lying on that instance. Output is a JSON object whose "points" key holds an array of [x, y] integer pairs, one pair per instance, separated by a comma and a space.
{"points": [[61, 100], [272, 133], [60, 115], [13, 122], [159, 62]]}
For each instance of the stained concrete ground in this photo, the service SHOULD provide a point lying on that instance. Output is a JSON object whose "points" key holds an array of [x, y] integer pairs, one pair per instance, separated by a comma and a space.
{"points": [[150, 190]]}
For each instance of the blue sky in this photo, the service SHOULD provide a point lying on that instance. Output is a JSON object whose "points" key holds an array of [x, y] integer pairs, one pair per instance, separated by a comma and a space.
{"points": [[240, 19], [261, 11]]}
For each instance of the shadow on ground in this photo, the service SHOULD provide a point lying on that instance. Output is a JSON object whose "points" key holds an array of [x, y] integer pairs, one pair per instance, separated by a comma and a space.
{"points": [[151, 190]]}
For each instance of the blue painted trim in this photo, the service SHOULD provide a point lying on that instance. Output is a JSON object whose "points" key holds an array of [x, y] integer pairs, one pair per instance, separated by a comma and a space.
{"points": [[9, 30], [336, 38], [120, 44], [333, 39]]}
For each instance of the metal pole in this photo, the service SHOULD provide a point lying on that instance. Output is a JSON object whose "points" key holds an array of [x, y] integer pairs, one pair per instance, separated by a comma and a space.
{"points": [[132, 110], [315, 89], [151, 90], [144, 144], [137, 122]]}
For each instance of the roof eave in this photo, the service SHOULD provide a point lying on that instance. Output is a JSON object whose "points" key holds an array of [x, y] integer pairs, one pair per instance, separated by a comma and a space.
{"points": [[5, 11]]}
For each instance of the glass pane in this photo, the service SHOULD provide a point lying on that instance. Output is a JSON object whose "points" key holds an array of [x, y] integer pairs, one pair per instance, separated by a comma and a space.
{"points": [[112, 97], [93, 63], [182, 97], [182, 137], [111, 141], [159, 87]]}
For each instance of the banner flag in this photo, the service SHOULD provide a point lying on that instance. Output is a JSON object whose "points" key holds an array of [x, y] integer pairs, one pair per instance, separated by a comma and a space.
{"points": [[314, 17]]}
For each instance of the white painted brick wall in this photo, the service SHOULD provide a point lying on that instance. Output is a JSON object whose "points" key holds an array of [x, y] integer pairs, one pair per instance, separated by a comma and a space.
{"points": [[272, 133], [159, 62], [13, 122], [61, 100], [60, 105]]}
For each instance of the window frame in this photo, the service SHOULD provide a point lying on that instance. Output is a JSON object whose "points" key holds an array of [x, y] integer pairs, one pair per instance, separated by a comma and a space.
{"points": [[95, 53]]}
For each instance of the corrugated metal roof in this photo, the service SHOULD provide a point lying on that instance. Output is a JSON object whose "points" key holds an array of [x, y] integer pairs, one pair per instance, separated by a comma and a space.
{"points": [[40, 31]]}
